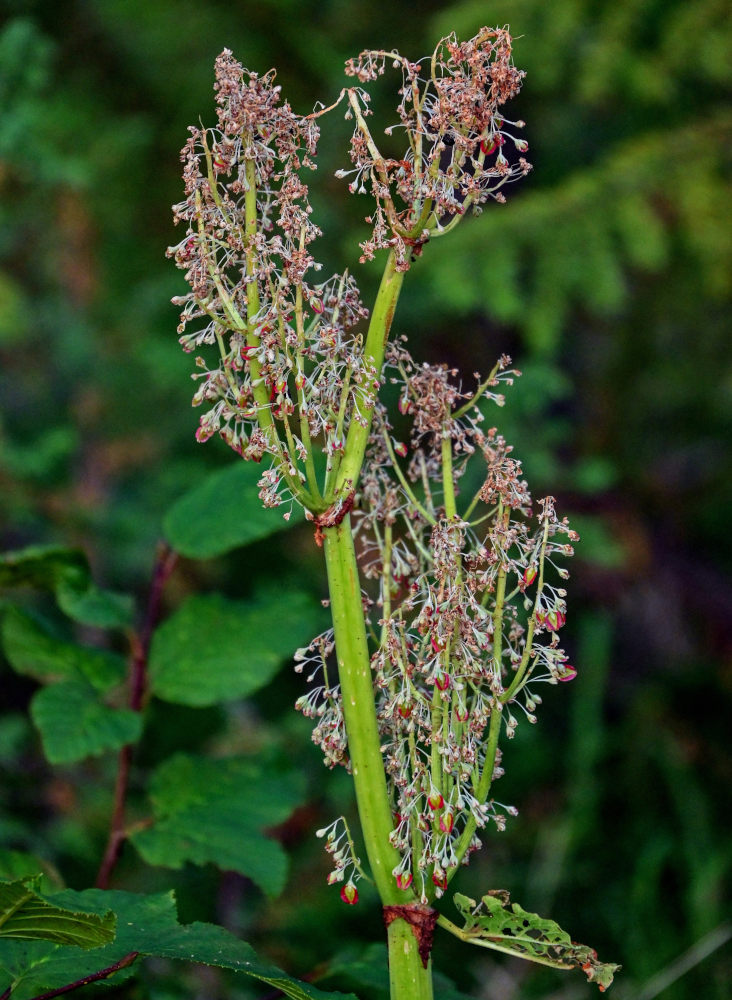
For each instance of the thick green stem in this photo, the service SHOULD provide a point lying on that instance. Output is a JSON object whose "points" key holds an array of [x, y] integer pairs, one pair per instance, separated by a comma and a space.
{"points": [[359, 709], [408, 978]]}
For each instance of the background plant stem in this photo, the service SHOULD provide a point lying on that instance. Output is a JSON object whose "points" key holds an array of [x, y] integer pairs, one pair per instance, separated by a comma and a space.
{"points": [[164, 564]]}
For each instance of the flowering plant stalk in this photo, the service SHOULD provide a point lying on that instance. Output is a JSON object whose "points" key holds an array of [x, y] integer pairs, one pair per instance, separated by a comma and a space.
{"points": [[440, 656]]}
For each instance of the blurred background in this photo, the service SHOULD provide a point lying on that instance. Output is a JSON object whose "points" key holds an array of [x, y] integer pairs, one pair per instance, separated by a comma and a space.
{"points": [[606, 277]]}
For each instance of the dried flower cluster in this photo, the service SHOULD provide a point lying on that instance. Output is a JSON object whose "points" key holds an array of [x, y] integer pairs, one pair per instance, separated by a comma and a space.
{"points": [[457, 139], [470, 621]]}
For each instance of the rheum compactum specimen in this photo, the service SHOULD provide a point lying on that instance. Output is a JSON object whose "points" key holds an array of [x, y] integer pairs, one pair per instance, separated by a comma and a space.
{"points": [[447, 603]]}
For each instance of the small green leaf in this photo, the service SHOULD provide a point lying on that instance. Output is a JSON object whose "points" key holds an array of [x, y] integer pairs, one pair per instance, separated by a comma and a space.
{"points": [[74, 724], [222, 513], [34, 651], [216, 811], [214, 650], [25, 914], [66, 572], [499, 924], [147, 925]]}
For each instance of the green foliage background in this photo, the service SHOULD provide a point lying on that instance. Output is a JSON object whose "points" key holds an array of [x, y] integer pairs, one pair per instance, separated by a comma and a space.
{"points": [[607, 277]]}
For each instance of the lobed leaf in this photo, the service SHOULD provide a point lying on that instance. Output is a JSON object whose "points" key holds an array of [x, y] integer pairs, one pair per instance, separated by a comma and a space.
{"points": [[27, 915], [216, 811], [66, 573], [498, 923], [74, 724], [216, 516], [149, 926], [213, 649]]}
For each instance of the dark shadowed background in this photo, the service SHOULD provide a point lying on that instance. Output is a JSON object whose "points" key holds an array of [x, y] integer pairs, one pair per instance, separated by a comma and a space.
{"points": [[606, 276]]}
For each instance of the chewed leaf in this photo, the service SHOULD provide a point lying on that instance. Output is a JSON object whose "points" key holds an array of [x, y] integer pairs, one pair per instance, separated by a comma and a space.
{"points": [[26, 915], [499, 924]]}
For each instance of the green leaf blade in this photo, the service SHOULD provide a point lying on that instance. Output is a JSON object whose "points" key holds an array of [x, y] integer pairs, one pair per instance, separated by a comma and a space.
{"points": [[219, 514], [66, 573], [74, 724], [147, 925], [213, 649], [26, 915], [32, 650], [216, 811]]}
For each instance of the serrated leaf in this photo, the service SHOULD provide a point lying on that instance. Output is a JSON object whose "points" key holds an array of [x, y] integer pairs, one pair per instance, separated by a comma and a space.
{"points": [[34, 651], [74, 724], [222, 513], [213, 650], [147, 925], [66, 573], [215, 811], [26, 915], [499, 924]]}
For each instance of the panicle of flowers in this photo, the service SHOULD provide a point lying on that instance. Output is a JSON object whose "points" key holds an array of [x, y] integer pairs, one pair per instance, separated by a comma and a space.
{"points": [[322, 701], [280, 354], [470, 619], [460, 151], [346, 865]]}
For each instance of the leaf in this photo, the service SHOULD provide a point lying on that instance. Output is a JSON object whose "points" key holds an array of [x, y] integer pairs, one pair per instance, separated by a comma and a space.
{"points": [[34, 651], [25, 914], [147, 925], [83, 601], [74, 724], [215, 811], [214, 650], [498, 923], [66, 572], [221, 514]]}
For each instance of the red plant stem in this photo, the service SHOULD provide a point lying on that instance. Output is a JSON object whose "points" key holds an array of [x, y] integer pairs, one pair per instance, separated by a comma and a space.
{"points": [[165, 561], [91, 978]]}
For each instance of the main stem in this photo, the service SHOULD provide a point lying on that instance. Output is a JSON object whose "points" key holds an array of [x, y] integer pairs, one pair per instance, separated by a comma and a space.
{"points": [[409, 979]]}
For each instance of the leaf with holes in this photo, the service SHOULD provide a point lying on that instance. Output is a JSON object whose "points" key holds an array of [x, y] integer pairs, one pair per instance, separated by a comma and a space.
{"points": [[499, 924]]}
